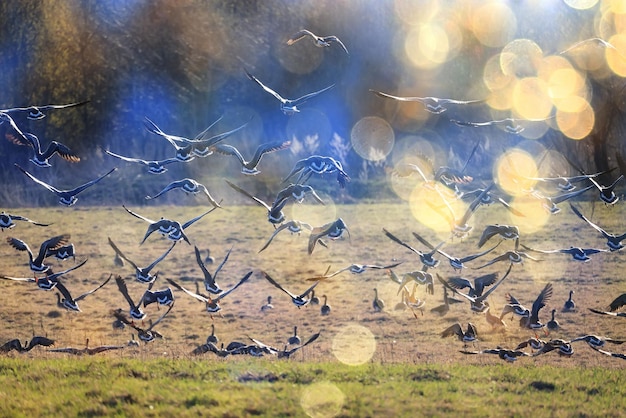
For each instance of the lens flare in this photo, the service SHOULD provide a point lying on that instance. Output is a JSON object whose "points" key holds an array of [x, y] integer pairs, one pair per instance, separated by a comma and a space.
{"points": [[535, 215], [576, 125], [494, 24], [616, 58], [309, 123], [531, 99], [513, 171], [354, 344], [581, 4], [521, 58], [427, 46], [372, 138], [302, 58], [429, 208], [322, 399]]}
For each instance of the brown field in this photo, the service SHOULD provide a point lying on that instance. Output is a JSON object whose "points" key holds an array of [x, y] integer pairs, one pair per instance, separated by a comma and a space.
{"points": [[395, 336]]}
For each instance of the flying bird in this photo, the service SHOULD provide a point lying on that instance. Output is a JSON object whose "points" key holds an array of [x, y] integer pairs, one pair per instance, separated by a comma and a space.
{"points": [[66, 197], [434, 105], [332, 230], [141, 273], [16, 344], [614, 241], [188, 186], [154, 166], [250, 167], [41, 158], [71, 303], [6, 221], [319, 41], [288, 106], [37, 112], [36, 263], [298, 300]]}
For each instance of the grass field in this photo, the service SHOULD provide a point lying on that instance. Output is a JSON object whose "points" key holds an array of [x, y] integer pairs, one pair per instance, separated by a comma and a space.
{"points": [[390, 362]]}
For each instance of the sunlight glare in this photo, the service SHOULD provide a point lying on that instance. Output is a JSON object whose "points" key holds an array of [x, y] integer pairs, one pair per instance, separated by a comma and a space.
{"points": [[372, 138], [494, 24], [512, 171], [322, 399]]}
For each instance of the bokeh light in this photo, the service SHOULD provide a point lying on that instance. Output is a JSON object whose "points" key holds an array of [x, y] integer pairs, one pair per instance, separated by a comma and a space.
{"points": [[536, 216], [354, 344], [494, 24], [616, 58], [581, 4], [576, 125], [431, 210], [514, 170], [521, 58], [531, 99], [322, 399], [372, 138]]}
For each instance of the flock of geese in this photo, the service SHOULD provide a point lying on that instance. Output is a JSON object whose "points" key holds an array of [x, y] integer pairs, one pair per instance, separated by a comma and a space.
{"points": [[447, 182]]}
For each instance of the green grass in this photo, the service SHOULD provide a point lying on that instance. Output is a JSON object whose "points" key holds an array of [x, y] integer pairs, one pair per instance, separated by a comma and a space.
{"points": [[263, 387]]}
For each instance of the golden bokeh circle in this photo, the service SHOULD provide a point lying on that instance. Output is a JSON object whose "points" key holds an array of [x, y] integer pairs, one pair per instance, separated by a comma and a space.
{"points": [[354, 344], [322, 399], [494, 24]]}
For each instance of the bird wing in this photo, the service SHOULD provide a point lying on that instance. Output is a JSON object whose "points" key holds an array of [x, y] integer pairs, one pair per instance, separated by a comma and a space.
{"points": [[121, 254], [192, 294], [158, 260], [84, 295], [197, 218], [136, 215], [172, 185], [40, 182], [226, 292], [272, 281], [121, 285], [80, 188], [306, 97], [264, 87], [618, 302], [594, 226], [264, 149], [242, 191], [540, 302]]}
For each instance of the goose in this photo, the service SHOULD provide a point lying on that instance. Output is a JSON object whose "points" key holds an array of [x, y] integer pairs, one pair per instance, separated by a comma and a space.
{"points": [[70, 303], [293, 226], [539, 303], [275, 215], [148, 334], [135, 308], [513, 126], [512, 256], [553, 324], [314, 300], [212, 304], [504, 353], [378, 304], [354, 269], [212, 338], [36, 263], [614, 242], [6, 221], [142, 274], [41, 158], [298, 300], [62, 253], [325, 308], [294, 339], [577, 253], [476, 294], [250, 167], [154, 166], [86, 350], [174, 230], [550, 203], [534, 343], [596, 341], [509, 232], [420, 277], [489, 198], [565, 183], [607, 193], [132, 342], [66, 197], [288, 106], [318, 164], [564, 348], [470, 335], [494, 320], [435, 105], [268, 305], [607, 353], [319, 41], [200, 146], [161, 297], [49, 281], [455, 262], [16, 344], [286, 353], [427, 259], [297, 193], [332, 230], [36, 112], [187, 185], [569, 304], [209, 280]]}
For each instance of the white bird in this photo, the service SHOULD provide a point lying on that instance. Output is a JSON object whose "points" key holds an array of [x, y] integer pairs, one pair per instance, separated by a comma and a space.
{"points": [[288, 106], [434, 105], [320, 41], [250, 167]]}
